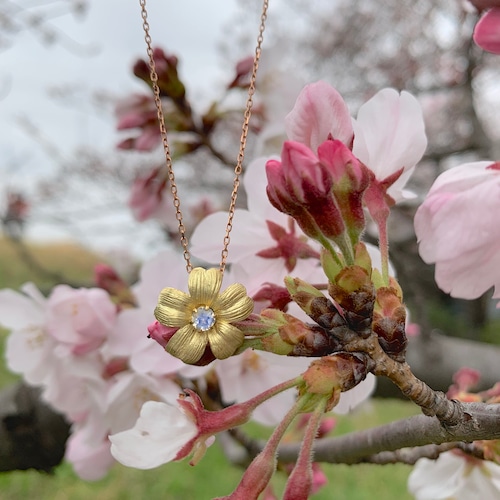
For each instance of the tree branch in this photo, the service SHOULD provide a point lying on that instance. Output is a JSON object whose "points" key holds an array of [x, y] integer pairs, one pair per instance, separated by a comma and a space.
{"points": [[480, 422]]}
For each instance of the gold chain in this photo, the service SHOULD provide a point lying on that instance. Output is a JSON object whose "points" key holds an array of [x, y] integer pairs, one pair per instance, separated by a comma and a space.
{"points": [[238, 169]]}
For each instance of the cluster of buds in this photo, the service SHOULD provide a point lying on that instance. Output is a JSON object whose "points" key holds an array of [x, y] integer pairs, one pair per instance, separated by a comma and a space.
{"points": [[322, 192]]}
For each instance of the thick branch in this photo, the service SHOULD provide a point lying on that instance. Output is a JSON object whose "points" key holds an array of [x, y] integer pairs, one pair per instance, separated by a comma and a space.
{"points": [[480, 422]]}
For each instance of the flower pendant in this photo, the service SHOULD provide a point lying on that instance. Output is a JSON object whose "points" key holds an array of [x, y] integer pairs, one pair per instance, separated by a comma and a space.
{"points": [[204, 316]]}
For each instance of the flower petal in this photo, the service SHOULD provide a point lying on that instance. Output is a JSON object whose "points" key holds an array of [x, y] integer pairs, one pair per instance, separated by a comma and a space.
{"points": [[204, 285], [158, 435], [224, 339], [188, 344], [389, 133], [233, 304], [318, 112]]}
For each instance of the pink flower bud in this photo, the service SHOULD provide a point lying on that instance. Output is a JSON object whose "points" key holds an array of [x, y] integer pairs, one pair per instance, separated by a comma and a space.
{"points": [[108, 279], [243, 71], [487, 31], [300, 186], [161, 333]]}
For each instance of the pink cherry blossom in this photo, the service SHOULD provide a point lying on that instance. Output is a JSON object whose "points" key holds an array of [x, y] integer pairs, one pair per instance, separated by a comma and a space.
{"points": [[244, 376], [487, 31], [90, 462], [456, 476], [319, 112], [147, 198], [457, 229], [138, 112], [29, 348], [388, 136], [81, 318]]}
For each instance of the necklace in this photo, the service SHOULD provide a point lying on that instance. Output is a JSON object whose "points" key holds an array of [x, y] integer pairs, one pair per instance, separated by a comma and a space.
{"points": [[202, 321]]}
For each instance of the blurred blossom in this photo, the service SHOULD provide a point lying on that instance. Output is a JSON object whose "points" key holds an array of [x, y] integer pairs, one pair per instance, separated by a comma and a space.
{"points": [[467, 260], [454, 476]]}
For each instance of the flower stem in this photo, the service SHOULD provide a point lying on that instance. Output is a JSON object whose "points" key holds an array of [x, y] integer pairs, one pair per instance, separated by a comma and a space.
{"points": [[273, 391], [299, 483], [259, 472], [327, 244], [384, 247]]}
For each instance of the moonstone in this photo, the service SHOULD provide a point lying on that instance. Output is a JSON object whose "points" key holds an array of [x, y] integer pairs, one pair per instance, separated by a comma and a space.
{"points": [[203, 318]]}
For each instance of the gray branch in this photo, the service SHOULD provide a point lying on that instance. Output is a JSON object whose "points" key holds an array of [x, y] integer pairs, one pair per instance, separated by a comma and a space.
{"points": [[481, 422]]}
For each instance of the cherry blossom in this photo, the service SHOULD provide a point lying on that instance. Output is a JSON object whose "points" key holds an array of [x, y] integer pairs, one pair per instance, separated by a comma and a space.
{"points": [[80, 318], [91, 462], [138, 112], [465, 197], [156, 438], [388, 135], [29, 348], [147, 197], [454, 476]]}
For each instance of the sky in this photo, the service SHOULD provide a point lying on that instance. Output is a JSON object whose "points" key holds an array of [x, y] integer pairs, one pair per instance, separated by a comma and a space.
{"points": [[94, 53]]}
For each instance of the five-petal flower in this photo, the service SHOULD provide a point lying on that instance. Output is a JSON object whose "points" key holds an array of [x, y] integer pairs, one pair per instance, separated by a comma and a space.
{"points": [[204, 317]]}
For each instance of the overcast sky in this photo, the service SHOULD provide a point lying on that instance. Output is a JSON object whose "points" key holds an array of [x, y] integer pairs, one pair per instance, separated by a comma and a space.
{"points": [[104, 44], [110, 39]]}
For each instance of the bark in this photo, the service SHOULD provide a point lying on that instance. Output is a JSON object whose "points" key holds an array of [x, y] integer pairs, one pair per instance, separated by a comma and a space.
{"points": [[434, 358], [480, 422]]}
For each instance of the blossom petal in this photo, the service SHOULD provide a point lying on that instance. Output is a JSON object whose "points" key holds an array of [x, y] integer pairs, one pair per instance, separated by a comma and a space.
{"points": [[204, 285], [233, 304], [158, 435], [389, 133], [18, 310], [224, 339], [318, 112], [465, 197], [433, 479], [188, 344], [353, 397]]}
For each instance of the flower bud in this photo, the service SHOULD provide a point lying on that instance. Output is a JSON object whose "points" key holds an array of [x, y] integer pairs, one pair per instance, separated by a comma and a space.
{"points": [[353, 290], [389, 320], [351, 179], [278, 296], [108, 279], [301, 187], [331, 375]]}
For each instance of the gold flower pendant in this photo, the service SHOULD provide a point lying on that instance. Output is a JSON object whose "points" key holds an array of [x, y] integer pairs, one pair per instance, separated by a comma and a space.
{"points": [[204, 317]]}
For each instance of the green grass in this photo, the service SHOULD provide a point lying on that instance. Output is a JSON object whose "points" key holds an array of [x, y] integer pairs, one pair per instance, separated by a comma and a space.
{"points": [[63, 262]]}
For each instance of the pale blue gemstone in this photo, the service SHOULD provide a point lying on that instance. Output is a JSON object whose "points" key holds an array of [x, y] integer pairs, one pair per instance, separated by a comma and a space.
{"points": [[203, 318]]}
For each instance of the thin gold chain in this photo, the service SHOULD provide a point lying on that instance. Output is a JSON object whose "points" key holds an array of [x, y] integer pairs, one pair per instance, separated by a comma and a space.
{"points": [[238, 169]]}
